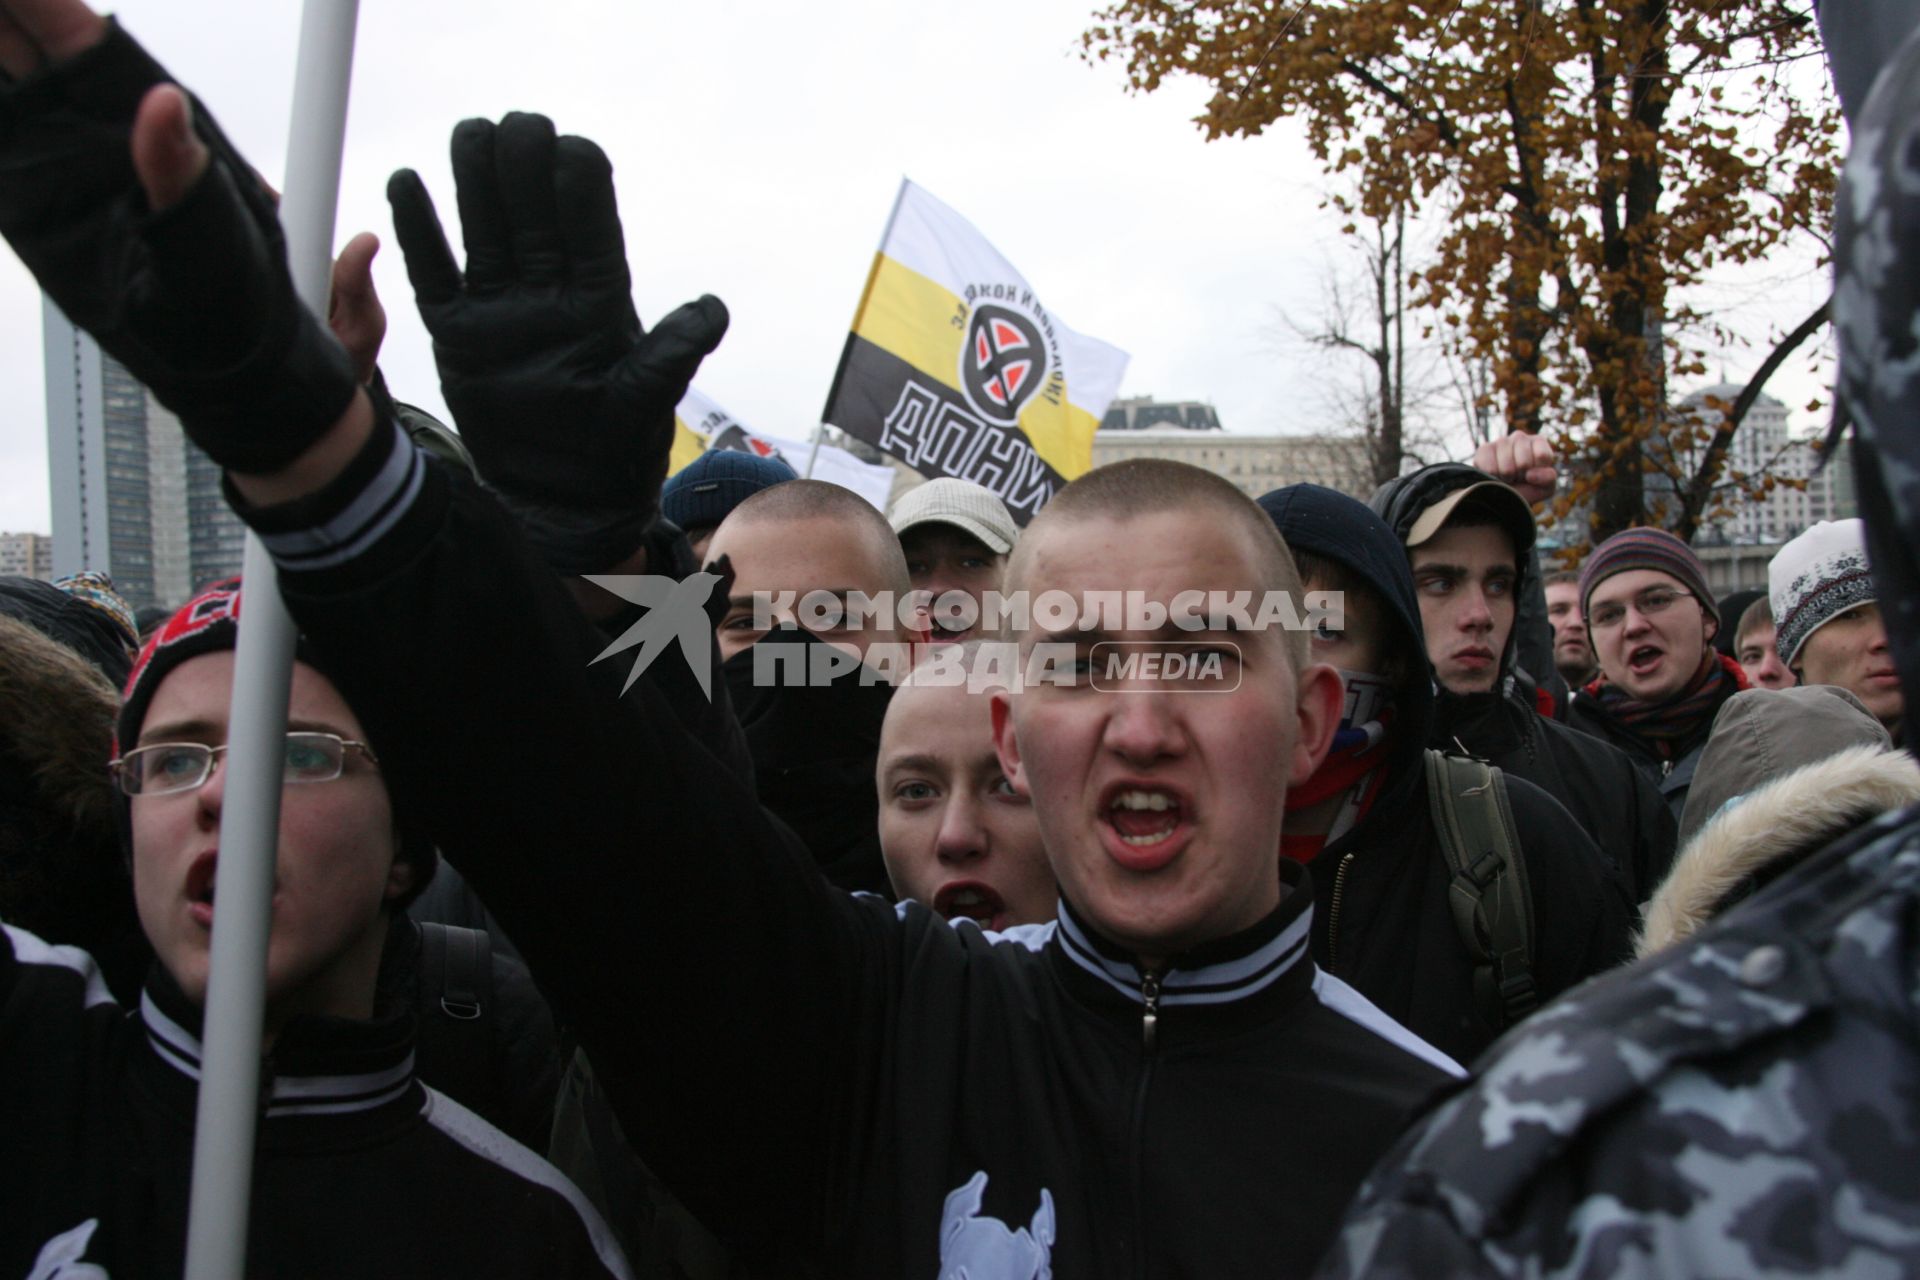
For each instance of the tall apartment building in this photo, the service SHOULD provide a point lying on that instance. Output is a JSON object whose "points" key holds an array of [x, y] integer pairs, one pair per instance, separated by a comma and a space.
{"points": [[1189, 431], [1764, 443], [26, 555], [131, 494]]}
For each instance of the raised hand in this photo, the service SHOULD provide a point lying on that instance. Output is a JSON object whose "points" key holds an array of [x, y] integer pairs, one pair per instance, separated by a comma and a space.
{"points": [[565, 401], [148, 229], [1524, 461]]}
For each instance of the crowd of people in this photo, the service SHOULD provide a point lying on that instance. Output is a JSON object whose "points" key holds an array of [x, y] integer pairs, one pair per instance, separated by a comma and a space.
{"points": [[1506, 918]]}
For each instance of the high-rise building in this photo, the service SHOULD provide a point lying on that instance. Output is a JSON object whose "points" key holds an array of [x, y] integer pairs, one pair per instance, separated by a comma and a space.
{"points": [[131, 494], [1764, 445], [26, 555]]}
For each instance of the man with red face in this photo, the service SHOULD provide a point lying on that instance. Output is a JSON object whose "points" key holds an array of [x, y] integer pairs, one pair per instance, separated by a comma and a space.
{"points": [[1661, 682]]}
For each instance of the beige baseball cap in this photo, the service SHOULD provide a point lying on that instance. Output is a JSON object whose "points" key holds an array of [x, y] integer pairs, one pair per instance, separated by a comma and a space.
{"points": [[962, 504], [1503, 501]]}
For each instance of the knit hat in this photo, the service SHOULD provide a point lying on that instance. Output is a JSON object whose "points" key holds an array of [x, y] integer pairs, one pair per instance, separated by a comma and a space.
{"points": [[1815, 578], [700, 494], [99, 635], [1654, 549], [210, 623], [966, 506]]}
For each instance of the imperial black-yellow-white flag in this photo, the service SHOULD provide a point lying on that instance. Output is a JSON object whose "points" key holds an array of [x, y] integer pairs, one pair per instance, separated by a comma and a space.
{"points": [[956, 368]]}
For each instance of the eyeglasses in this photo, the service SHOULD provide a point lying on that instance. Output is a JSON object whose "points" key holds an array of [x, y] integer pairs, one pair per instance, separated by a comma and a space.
{"points": [[167, 767], [1652, 601]]}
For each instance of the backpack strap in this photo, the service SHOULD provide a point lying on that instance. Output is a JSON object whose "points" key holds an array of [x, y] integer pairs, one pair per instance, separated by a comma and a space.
{"points": [[454, 1010], [1487, 888]]}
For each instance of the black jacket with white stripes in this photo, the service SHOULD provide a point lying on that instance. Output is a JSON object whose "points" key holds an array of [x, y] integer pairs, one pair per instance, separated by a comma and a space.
{"points": [[823, 1079], [361, 1170]]}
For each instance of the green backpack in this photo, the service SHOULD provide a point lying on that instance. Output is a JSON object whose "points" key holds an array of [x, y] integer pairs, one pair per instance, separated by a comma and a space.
{"points": [[1488, 890]]}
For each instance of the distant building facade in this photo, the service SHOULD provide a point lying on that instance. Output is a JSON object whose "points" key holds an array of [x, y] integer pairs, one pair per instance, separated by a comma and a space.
{"points": [[26, 555], [1254, 464], [131, 494], [1764, 443], [1144, 413]]}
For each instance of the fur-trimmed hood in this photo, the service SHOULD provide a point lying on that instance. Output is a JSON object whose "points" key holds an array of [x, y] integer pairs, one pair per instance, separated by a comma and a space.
{"points": [[1765, 832], [56, 730], [62, 871]]}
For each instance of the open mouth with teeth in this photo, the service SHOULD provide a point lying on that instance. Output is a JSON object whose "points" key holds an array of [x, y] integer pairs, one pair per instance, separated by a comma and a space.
{"points": [[1645, 658], [1146, 825], [971, 900], [1144, 817]]}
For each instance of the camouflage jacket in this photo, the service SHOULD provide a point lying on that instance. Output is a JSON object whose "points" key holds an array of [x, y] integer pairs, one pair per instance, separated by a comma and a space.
{"points": [[1746, 1103]]}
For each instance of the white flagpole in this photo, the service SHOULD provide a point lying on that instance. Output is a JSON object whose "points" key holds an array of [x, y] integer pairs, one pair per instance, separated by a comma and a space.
{"points": [[257, 724], [813, 454]]}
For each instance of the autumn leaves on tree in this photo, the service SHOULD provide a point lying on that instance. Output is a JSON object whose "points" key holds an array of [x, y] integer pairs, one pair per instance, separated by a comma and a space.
{"points": [[1587, 163]]}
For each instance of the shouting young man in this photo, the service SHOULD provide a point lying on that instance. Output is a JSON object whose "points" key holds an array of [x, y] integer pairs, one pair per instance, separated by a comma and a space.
{"points": [[1161, 1083]]}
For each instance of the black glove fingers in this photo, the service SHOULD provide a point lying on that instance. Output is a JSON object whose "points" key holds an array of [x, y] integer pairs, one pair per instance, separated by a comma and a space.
{"points": [[423, 241], [483, 218], [590, 216], [677, 345], [523, 158]]}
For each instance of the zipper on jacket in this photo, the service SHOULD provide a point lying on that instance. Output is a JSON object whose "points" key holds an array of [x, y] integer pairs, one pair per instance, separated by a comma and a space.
{"points": [[1150, 1033], [1333, 910]]}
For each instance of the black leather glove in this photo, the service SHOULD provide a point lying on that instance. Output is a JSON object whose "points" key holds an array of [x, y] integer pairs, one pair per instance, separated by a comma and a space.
{"points": [[565, 402], [195, 300]]}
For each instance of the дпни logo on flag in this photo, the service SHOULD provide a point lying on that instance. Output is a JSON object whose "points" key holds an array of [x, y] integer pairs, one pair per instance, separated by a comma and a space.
{"points": [[1003, 363]]}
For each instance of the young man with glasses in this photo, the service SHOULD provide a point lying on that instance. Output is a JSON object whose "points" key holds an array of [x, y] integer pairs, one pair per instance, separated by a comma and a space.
{"points": [[1661, 681], [100, 1136]]}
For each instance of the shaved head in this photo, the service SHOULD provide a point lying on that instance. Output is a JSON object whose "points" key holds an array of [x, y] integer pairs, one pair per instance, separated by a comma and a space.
{"points": [[801, 537], [1147, 486], [798, 501]]}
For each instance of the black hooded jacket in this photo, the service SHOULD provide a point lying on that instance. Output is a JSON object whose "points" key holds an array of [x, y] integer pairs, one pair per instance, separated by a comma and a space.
{"points": [[1617, 803], [1389, 929]]}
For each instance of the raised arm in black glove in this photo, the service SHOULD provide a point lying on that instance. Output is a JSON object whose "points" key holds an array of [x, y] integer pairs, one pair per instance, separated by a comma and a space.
{"points": [[193, 297], [564, 400]]}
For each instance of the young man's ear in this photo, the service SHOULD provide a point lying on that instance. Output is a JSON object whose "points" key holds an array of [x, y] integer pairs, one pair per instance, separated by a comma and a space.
{"points": [[1712, 624], [1321, 698], [401, 876], [1005, 743]]}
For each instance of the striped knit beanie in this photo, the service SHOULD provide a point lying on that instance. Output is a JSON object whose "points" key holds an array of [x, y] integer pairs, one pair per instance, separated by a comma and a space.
{"points": [[1815, 578], [1656, 549]]}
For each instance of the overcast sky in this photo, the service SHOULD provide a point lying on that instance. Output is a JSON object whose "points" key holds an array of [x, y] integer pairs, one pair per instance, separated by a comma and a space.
{"points": [[757, 148]]}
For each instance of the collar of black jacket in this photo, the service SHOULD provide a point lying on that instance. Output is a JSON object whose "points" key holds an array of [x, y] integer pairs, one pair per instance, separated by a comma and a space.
{"points": [[1245, 974], [1487, 725], [350, 1073]]}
